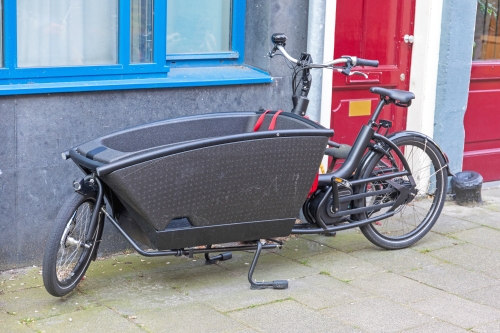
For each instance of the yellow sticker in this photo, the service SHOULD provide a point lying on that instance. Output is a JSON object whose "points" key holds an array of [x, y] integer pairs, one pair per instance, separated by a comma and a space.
{"points": [[360, 108]]}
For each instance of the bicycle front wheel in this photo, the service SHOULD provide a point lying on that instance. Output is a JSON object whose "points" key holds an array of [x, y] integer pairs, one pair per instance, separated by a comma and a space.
{"points": [[68, 252], [413, 219]]}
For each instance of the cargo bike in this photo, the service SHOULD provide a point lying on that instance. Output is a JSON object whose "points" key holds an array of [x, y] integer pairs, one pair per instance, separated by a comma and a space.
{"points": [[195, 184]]}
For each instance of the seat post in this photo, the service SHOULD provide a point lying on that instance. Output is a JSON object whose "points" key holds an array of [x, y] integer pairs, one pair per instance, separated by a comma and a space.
{"points": [[375, 115]]}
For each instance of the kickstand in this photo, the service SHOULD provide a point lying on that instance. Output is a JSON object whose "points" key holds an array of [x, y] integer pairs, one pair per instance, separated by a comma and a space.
{"points": [[276, 284]]}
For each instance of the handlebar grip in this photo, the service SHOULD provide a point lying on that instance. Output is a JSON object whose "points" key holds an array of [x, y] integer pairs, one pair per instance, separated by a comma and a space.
{"points": [[366, 62]]}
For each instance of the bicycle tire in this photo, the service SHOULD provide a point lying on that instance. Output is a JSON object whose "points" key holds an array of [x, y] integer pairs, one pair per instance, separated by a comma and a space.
{"points": [[429, 171], [67, 256]]}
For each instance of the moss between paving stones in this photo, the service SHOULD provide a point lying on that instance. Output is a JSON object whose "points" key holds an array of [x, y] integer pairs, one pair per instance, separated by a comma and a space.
{"points": [[384, 315], [10, 324], [434, 241], [37, 303], [491, 206], [207, 320], [397, 261], [19, 279], [275, 317], [300, 247], [471, 257], [452, 279], [346, 241], [242, 296], [343, 267], [487, 296], [483, 237], [98, 319], [327, 292], [493, 272], [405, 292], [457, 310], [449, 225], [138, 294]]}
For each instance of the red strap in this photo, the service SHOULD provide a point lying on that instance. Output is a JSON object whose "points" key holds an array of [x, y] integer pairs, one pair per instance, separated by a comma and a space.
{"points": [[260, 120], [273, 121], [314, 185]]}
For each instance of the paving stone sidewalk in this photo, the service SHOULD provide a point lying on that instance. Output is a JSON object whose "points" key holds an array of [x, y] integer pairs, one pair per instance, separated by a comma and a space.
{"points": [[448, 282]]}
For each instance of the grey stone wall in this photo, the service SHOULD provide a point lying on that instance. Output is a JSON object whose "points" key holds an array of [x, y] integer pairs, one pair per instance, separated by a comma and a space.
{"points": [[452, 91], [35, 129]]}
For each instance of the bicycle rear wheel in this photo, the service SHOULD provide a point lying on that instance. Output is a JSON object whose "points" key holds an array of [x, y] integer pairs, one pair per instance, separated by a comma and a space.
{"points": [[415, 218], [68, 252]]}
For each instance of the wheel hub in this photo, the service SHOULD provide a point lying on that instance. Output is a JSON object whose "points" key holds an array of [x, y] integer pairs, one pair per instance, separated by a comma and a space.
{"points": [[70, 241]]}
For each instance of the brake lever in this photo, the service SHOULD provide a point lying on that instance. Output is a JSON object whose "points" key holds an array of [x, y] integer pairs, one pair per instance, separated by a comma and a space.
{"points": [[359, 73], [272, 53], [339, 70]]}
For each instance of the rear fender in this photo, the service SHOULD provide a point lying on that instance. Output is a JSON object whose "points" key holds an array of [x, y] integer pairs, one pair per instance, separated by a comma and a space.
{"points": [[423, 136], [373, 154]]}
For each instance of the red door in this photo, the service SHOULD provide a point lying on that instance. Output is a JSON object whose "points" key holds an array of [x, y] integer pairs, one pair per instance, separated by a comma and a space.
{"points": [[482, 118], [370, 29]]}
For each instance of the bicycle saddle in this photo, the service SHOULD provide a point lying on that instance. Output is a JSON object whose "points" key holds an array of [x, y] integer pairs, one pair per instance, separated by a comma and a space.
{"points": [[402, 96]]}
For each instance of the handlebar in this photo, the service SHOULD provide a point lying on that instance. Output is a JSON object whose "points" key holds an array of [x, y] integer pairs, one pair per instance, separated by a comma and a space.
{"points": [[295, 61], [305, 64], [355, 61], [365, 62], [279, 41]]}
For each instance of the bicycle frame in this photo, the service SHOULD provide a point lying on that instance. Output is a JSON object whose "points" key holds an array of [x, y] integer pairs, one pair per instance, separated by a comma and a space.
{"points": [[355, 160], [171, 221]]}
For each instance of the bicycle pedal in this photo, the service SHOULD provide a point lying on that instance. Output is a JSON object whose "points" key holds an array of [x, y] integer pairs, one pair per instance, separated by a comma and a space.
{"points": [[220, 257]]}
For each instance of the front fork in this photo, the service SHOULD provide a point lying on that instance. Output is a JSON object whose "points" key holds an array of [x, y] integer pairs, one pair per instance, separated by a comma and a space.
{"points": [[85, 186]]}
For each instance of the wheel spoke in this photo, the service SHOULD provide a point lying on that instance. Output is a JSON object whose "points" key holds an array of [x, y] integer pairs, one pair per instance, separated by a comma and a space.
{"points": [[71, 244], [67, 266], [70, 252], [415, 215]]}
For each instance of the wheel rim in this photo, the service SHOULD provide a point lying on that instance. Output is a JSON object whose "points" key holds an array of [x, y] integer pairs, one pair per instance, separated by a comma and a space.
{"points": [[72, 247], [411, 217]]}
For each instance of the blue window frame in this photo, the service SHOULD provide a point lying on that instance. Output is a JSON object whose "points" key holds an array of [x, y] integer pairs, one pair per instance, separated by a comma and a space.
{"points": [[176, 70]]}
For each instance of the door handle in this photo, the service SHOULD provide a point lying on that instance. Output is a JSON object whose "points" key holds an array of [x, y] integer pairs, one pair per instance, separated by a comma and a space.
{"points": [[408, 39]]}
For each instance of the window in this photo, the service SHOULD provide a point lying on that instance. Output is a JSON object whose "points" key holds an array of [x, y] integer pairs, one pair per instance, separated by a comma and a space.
{"points": [[72, 45], [141, 31], [487, 32], [203, 30], [195, 26], [54, 33]]}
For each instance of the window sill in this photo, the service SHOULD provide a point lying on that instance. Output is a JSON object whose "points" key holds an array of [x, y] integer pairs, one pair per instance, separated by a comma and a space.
{"points": [[176, 78]]}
